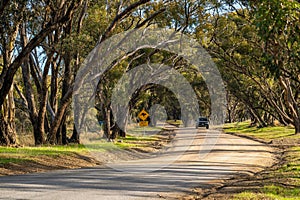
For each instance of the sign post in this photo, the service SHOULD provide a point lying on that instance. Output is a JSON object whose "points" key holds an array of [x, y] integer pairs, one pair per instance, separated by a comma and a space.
{"points": [[143, 115]]}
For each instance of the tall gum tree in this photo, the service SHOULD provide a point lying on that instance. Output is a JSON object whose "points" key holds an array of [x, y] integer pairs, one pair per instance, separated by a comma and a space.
{"points": [[278, 24], [12, 16], [257, 48]]}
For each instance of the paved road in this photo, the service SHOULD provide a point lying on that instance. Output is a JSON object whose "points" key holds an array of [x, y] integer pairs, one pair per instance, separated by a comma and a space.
{"points": [[146, 179]]}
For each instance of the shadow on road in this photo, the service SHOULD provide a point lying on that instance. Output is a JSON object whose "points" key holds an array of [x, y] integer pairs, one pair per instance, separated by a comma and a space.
{"points": [[230, 156]]}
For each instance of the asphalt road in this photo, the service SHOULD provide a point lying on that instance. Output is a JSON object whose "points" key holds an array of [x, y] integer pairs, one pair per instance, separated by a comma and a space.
{"points": [[177, 170]]}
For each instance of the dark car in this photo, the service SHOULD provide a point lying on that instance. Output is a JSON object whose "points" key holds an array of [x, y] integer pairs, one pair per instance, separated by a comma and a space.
{"points": [[202, 122]]}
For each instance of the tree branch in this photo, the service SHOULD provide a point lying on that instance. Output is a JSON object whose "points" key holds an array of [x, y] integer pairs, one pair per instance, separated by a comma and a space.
{"points": [[9, 74], [119, 17], [150, 18]]}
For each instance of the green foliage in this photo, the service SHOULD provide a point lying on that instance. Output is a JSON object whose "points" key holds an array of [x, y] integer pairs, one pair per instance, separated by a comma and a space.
{"points": [[252, 46], [278, 25]]}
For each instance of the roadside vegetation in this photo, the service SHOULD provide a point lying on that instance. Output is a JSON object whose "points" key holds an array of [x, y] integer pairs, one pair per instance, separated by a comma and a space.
{"points": [[266, 134], [22, 160], [176, 123], [281, 181], [43, 44], [27, 159]]}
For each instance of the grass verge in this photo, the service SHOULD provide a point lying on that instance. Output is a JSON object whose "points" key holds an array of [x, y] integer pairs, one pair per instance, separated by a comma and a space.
{"points": [[267, 134], [21, 154], [18, 160], [176, 123], [281, 182]]}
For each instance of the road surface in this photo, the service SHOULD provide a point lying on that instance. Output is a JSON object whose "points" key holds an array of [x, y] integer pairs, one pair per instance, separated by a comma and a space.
{"points": [[180, 169]]}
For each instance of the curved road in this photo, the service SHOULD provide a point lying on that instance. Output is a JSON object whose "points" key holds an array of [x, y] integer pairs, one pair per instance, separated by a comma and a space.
{"points": [[149, 178]]}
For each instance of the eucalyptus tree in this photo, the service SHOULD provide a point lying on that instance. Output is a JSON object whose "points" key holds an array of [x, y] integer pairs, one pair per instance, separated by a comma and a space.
{"points": [[51, 40], [257, 48], [14, 15], [105, 19], [278, 24]]}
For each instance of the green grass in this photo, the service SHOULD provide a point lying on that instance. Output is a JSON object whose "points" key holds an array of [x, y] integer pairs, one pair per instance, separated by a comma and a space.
{"points": [[280, 192], [22, 154], [44, 150], [99, 146], [280, 184], [177, 122], [288, 174], [130, 141], [129, 138], [135, 139], [12, 160], [139, 130], [294, 161], [270, 193], [130, 145], [265, 133]]}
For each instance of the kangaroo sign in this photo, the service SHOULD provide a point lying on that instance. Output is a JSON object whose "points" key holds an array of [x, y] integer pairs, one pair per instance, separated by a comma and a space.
{"points": [[143, 115]]}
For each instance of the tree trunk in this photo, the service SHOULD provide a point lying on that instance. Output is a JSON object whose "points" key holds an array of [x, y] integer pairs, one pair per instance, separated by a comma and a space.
{"points": [[291, 103], [58, 138], [55, 125], [61, 135], [106, 126], [297, 126], [7, 133], [297, 129], [46, 125], [7, 121], [75, 136], [54, 86], [64, 140], [114, 132], [66, 85], [44, 99]]}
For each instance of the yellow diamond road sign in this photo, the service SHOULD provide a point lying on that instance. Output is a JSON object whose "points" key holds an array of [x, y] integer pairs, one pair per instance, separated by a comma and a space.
{"points": [[143, 115]]}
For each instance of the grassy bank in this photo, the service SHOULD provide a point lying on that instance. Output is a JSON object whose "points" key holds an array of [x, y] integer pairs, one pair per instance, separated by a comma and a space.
{"points": [[23, 160], [266, 134], [21, 154], [282, 182], [18, 160]]}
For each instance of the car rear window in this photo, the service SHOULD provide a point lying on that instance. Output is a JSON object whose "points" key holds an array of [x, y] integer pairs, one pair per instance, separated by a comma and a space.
{"points": [[203, 119]]}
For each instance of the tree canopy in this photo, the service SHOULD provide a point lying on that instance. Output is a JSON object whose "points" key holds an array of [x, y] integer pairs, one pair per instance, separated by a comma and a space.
{"points": [[255, 45]]}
